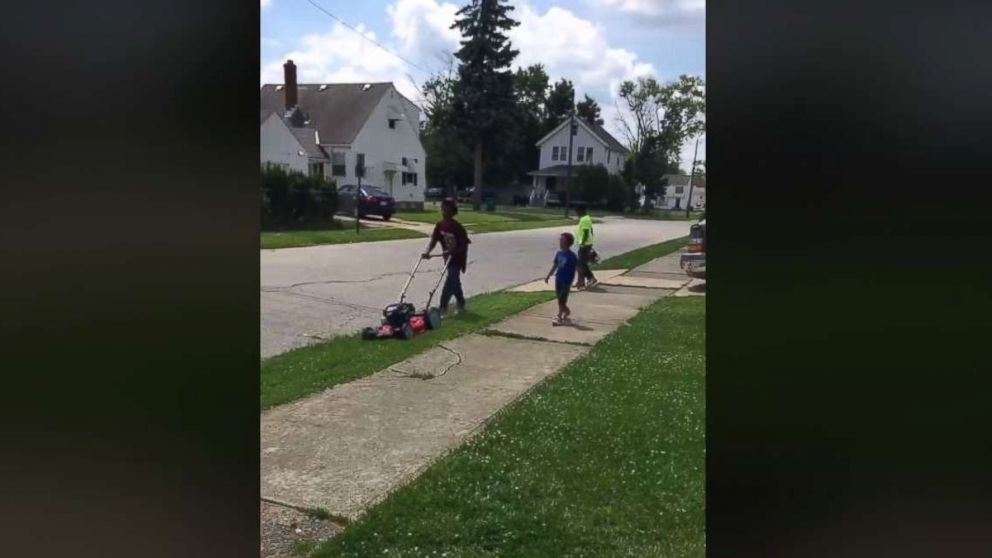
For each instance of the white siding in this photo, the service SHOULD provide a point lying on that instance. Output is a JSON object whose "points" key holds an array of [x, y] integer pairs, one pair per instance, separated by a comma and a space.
{"points": [[582, 140], [671, 195], [381, 144], [280, 146]]}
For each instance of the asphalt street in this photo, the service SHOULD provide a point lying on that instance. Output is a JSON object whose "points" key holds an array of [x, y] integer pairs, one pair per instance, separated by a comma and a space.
{"points": [[317, 292]]}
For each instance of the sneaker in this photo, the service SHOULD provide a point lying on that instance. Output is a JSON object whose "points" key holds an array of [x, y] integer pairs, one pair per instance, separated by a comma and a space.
{"points": [[592, 283]]}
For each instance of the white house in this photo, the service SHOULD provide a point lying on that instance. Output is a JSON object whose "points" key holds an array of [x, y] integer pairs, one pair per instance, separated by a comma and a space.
{"points": [[291, 147], [677, 192], [347, 122], [591, 145]]}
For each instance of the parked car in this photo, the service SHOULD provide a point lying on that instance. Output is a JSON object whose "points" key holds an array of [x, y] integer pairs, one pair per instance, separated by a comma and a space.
{"points": [[434, 193], [371, 200], [467, 195], [693, 259]]}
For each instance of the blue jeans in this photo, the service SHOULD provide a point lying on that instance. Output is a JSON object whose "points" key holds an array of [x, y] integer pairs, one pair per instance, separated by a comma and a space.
{"points": [[452, 287]]}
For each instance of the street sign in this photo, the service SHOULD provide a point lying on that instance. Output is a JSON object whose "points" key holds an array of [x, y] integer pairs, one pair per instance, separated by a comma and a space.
{"points": [[360, 165]]}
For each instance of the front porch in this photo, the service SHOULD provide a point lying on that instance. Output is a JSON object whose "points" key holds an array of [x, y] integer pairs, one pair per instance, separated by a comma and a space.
{"points": [[548, 185]]}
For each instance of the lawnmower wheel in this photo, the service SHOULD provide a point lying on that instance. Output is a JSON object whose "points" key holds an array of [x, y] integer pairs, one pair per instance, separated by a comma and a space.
{"points": [[433, 318], [406, 332], [368, 333]]}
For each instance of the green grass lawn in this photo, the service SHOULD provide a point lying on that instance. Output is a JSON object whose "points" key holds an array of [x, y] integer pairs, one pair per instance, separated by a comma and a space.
{"points": [[343, 235], [478, 222], [641, 256], [658, 214], [605, 459], [465, 216], [316, 367]]}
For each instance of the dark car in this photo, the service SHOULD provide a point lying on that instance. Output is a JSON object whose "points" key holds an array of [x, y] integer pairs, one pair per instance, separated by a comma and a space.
{"points": [[371, 201], [693, 259]]}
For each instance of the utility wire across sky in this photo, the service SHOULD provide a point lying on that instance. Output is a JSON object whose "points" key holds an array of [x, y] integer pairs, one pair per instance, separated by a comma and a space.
{"points": [[373, 41]]}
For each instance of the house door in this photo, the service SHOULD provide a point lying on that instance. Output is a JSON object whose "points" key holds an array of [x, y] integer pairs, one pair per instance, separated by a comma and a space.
{"points": [[389, 181], [550, 183]]}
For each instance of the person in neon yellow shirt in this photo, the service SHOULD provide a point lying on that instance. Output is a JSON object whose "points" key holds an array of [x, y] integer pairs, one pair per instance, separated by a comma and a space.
{"points": [[584, 240]]}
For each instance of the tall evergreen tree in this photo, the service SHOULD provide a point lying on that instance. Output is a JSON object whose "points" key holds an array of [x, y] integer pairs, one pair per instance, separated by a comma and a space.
{"points": [[483, 95], [588, 109], [559, 103]]}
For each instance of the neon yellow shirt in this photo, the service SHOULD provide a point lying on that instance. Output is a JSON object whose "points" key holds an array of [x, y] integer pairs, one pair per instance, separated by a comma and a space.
{"points": [[584, 235]]}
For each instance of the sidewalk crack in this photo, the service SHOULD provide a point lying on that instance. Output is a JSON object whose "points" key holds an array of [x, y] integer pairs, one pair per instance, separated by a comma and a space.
{"points": [[427, 376]]}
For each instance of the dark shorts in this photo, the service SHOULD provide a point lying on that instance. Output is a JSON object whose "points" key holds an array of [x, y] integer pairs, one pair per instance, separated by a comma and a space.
{"points": [[561, 291]]}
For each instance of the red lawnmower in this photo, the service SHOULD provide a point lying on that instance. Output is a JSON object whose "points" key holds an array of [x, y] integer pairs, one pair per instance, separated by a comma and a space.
{"points": [[401, 319]]}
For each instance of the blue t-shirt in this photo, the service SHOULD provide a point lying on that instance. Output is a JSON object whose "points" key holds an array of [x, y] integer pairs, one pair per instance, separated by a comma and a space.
{"points": [[566, 261]]}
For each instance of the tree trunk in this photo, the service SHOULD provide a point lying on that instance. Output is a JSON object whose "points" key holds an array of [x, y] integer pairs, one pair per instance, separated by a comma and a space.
{"points": [[477, 179]]}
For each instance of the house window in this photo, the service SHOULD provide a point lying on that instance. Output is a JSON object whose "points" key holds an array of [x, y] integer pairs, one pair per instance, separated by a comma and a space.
{"points": [[404, 161], [589, 154], [316, 169], [554, 153], [338, 164], [608, 153], [581, 152], [563, 153], [679, 189], [392, 123], [409, 178]]}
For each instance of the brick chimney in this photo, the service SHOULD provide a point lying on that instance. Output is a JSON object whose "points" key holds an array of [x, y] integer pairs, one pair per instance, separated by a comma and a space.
{"points": [[289, 71]]}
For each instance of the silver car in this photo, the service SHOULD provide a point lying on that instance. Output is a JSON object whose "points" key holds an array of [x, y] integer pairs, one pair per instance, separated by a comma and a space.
{"points": [[693, 259]]}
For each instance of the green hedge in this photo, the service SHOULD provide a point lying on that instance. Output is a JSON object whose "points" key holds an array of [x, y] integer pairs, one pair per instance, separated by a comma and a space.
{"points": [[293, 200], [597, 187]]}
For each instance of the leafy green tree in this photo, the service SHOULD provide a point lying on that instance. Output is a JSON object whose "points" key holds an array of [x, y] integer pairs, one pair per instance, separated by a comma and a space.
{"points": [[449, 159], [659, 120], [483, 100]]}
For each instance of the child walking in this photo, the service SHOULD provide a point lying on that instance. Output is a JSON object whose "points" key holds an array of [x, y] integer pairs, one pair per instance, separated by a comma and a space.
{"points": [[563, 269], [454, 246]]}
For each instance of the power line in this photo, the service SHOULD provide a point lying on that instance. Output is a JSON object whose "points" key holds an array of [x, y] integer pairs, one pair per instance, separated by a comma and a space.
{"points": [[362, 35]]}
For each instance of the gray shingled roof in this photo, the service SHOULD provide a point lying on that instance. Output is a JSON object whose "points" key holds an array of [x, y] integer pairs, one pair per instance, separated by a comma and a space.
{"points": [[338, 112], [308, 140], [597, 130], [606, 137]]}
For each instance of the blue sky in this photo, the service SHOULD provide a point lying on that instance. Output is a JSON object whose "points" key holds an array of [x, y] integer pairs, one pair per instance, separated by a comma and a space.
{"points": [[594, 43]]}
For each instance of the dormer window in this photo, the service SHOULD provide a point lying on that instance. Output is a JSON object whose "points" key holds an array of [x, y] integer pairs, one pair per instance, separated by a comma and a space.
{"points": [[392, 123]]}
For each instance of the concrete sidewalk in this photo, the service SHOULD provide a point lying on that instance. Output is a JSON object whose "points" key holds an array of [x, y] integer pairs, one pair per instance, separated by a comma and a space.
{"points": [[346, 448], [391, 224], [661, 273]]}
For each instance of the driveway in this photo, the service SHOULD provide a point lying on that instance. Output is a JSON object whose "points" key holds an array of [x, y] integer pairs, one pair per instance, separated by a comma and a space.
{"points": [[321, 291]]}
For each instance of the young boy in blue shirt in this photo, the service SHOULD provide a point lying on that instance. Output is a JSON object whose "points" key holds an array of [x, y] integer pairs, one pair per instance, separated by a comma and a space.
{"points": [[563, 269]]}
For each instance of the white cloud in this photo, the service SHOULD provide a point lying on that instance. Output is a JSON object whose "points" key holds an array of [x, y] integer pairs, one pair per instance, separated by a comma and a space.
{"points": [[423, 27], [567, 45], [574, 48], [657, 9], [342, 56], [266, 3]]}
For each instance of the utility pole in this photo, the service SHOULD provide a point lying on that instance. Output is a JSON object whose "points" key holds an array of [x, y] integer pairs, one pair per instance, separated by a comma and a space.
{"points": [[359, 173], [692, 173], [568, 180]]}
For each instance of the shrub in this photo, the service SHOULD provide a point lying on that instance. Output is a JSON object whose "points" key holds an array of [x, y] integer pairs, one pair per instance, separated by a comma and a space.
{"points": [[592, 184], [292, 199]]}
